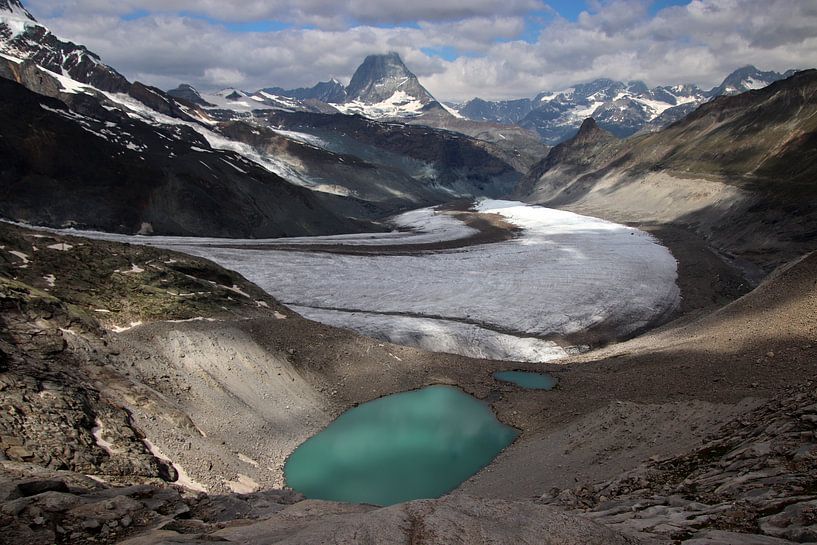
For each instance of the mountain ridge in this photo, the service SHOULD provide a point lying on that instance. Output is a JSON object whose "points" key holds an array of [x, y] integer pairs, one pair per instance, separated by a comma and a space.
{"points": [[739, 171], [623, 108]]}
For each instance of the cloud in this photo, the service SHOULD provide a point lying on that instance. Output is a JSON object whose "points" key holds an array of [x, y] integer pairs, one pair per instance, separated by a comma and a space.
{"points": [[315, 12], [699, 42]]}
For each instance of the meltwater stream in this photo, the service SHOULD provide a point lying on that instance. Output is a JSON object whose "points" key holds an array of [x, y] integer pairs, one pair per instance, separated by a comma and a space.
{"points": [[412, 445]]}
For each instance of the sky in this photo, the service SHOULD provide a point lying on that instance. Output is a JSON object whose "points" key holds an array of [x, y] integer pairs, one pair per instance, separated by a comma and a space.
{"points": [[494, 49]]}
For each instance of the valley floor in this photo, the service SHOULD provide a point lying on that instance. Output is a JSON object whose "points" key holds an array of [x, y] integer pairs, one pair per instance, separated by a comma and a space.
{"points": [[227, 400]]}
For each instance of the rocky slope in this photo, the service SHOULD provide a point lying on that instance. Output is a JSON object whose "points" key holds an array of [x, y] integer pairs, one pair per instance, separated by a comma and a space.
{"points": [[739, 170], [751, 482], [79, 400], [187, 164], [111, 172], [69, 381]]}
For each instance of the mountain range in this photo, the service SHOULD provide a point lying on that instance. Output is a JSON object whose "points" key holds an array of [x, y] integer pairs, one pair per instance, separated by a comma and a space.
{"points": [[384, 88], [739, 171], [190, 166], [622, 108], [288, 155], [149, 396]]}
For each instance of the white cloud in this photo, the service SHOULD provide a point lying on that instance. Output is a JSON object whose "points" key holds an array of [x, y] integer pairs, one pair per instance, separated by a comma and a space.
{"points": [[300, 11], [700, 42]]}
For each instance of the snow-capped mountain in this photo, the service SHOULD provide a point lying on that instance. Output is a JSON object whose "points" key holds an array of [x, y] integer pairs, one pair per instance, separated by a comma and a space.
{"points": [[747, 78], [619, 107], [124, 156], [622, 108], [22, 38], [331, 91], [383, 87], [503, 111]]}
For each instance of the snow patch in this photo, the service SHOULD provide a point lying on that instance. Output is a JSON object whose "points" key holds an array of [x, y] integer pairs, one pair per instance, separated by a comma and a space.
{"points": [[400, 104], [243, 485], [184, 479], [23, 257], [60, 247], [97, 431], [303, 137], [134, 269], [247, 460], [120, 329]]}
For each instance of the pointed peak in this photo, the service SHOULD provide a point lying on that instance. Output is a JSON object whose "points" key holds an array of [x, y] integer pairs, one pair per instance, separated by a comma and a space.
{"points": [[188, 87], [588, 125], [379, 77], [590, 132], [391, 59], [748, 68]]}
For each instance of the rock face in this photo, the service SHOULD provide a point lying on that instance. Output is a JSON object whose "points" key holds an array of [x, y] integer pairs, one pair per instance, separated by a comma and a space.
{"points": [[111, 172], [188, 93], [751, 483], [23, 38], [380, 77]]}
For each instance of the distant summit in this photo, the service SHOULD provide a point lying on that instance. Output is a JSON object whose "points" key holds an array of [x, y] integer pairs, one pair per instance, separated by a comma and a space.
{"points": [[382, 88], [747, 78], [380, 77], [188, 93], [621, 108]]}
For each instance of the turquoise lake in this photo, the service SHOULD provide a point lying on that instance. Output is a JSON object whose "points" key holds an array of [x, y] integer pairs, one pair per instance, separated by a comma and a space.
{"points": [[412, 445], [531, 381]]}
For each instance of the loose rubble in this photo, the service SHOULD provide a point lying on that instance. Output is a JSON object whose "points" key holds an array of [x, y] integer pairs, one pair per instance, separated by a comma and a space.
{"points": [[754, 482]]}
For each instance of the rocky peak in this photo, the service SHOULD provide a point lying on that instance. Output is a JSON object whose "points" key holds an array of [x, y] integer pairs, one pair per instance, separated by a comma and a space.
{"points": [[745, 79], [588, 130], [16, 9], [381, 76], [189, 93]]}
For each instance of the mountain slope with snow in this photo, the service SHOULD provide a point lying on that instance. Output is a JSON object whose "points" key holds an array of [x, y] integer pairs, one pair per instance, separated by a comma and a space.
{"points": [[339, 175], [382, 87], [618, 107]]}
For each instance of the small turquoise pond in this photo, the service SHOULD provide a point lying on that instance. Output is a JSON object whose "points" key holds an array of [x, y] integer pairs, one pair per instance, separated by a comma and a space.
{"points": [[418, 444], [531, 381]]}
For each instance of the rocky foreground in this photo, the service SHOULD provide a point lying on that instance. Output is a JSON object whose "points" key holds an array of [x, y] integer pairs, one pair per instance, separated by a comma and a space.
{"points": [[151, 397], [753, 482]]}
